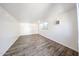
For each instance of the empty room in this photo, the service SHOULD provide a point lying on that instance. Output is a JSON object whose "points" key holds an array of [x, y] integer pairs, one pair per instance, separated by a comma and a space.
{"points": [[39, 29]]}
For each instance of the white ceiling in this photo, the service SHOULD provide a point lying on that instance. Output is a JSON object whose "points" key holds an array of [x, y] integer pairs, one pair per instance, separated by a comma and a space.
{"points": [[29, 12]]}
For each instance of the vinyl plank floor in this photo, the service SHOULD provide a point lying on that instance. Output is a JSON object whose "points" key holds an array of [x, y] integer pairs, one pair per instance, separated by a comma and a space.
{"points": [[37, 45]]}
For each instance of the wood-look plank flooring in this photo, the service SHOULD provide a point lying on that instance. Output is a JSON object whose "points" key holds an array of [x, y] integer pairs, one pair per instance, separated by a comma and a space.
{"points": [[37, 45]]}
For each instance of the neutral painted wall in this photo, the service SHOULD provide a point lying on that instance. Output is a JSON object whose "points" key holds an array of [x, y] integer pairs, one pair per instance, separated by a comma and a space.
{"points": [[28, 28], [9, 30], [64, 33], [78, 23]]}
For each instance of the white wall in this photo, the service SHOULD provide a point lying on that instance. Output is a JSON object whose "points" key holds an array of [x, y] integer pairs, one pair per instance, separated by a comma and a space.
{"points": [[28, 28], [78, 24], [9, 30], [64, 33]]}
